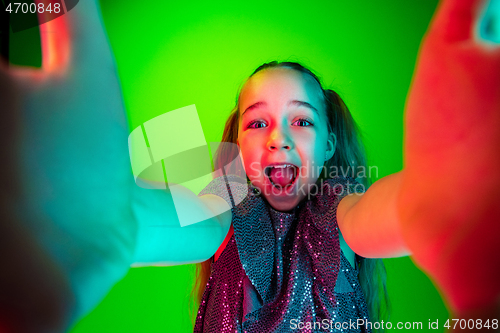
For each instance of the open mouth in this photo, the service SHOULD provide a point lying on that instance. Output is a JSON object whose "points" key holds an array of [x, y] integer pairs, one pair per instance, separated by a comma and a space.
{"points": [[282, 175]]}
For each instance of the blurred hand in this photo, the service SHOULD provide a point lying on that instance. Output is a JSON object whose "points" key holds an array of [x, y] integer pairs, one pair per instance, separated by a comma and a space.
{"points": [[67, 233], [448, 204]]}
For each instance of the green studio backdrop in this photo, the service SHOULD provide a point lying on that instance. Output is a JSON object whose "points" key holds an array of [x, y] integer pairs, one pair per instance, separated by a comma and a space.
{"points": [[173, 54]]}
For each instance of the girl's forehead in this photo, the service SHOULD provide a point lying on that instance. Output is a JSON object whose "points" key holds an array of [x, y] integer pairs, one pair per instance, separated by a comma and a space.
{"points": [[281, 85]]}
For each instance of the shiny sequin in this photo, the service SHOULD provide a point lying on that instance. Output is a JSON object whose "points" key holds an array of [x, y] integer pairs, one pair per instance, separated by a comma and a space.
{"points": [[281, 268]]}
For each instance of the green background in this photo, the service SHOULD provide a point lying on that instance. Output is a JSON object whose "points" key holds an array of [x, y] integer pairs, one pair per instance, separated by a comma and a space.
{"points": [[173, 54]]}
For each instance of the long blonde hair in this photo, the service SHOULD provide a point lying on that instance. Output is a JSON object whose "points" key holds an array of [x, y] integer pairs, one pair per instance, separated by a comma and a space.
{"points": [[349, 157]]}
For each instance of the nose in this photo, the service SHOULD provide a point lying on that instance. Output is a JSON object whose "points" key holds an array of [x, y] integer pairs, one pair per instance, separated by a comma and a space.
{"points": [[279, 139]]}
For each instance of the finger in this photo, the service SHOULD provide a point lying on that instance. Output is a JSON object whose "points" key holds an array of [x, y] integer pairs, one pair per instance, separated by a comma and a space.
{"points": [[55, 45], [454, 20], [73, 40], [55, 42], [488, 27]]}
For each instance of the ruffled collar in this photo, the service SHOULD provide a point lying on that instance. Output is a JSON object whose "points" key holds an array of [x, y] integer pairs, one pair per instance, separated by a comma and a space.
{"points": [[260, 230]]}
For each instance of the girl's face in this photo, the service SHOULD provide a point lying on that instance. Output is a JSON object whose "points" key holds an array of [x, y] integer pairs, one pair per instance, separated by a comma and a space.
{"points": [[283, 135]]}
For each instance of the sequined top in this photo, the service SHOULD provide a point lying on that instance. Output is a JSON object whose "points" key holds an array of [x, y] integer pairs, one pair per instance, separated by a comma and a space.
{"points": [[282, 272]]}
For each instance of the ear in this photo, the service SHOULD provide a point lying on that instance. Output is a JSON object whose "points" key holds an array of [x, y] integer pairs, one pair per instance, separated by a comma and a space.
{"points": [[331, 146]]}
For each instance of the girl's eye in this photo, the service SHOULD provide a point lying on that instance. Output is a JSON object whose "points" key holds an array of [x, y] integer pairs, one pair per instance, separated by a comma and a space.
{"points": [[256, 124], [302, 122]]}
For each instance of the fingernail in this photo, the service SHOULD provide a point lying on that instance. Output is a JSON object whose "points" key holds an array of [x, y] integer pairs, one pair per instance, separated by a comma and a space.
{"points": [[489, 23]]}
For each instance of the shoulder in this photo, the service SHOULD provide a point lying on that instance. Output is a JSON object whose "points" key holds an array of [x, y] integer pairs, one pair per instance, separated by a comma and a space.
{"points": [[217, 205], [348, 252], [231, 188], [335, 190], [344, 190], [348, 192]]}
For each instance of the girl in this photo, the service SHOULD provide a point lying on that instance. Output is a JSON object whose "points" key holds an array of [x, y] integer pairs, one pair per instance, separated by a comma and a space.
{"points": [[288, 127], [70, 233]]}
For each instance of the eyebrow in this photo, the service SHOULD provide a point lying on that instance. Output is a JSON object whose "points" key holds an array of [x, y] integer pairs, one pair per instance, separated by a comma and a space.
{"points": [[293, 102]]}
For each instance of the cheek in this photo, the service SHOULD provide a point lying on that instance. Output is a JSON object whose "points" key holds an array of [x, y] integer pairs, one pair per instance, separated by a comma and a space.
{"points": [[250, 155], [252, 142], [245, 146], [320, 151], [313, 144], [313, 155]]}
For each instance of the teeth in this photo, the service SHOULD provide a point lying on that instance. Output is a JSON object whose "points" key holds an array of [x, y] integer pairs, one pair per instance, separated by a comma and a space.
{"points": [[283, 166]]}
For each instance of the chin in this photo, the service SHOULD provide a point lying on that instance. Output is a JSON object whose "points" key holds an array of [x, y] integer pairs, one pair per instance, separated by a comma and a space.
{"points": [[283, 206], [283, 201]]}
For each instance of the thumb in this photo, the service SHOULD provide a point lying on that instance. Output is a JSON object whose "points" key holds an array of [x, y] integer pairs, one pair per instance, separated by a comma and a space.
{"points": [[454, 20], [73, 40]]}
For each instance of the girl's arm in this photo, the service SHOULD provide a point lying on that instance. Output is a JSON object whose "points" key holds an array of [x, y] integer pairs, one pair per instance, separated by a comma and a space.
{"points": [[448, 200], [161, 241], [369, 222], [65, 197], [444, 206], [72, 220]]}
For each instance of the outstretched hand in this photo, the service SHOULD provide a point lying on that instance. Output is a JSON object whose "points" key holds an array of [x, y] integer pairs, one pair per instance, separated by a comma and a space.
{"points": [[448, 204], [67, 231]]}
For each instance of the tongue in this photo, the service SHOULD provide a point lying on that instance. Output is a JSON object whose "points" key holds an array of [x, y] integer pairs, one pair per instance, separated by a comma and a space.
{"points": [[282, 176]]}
